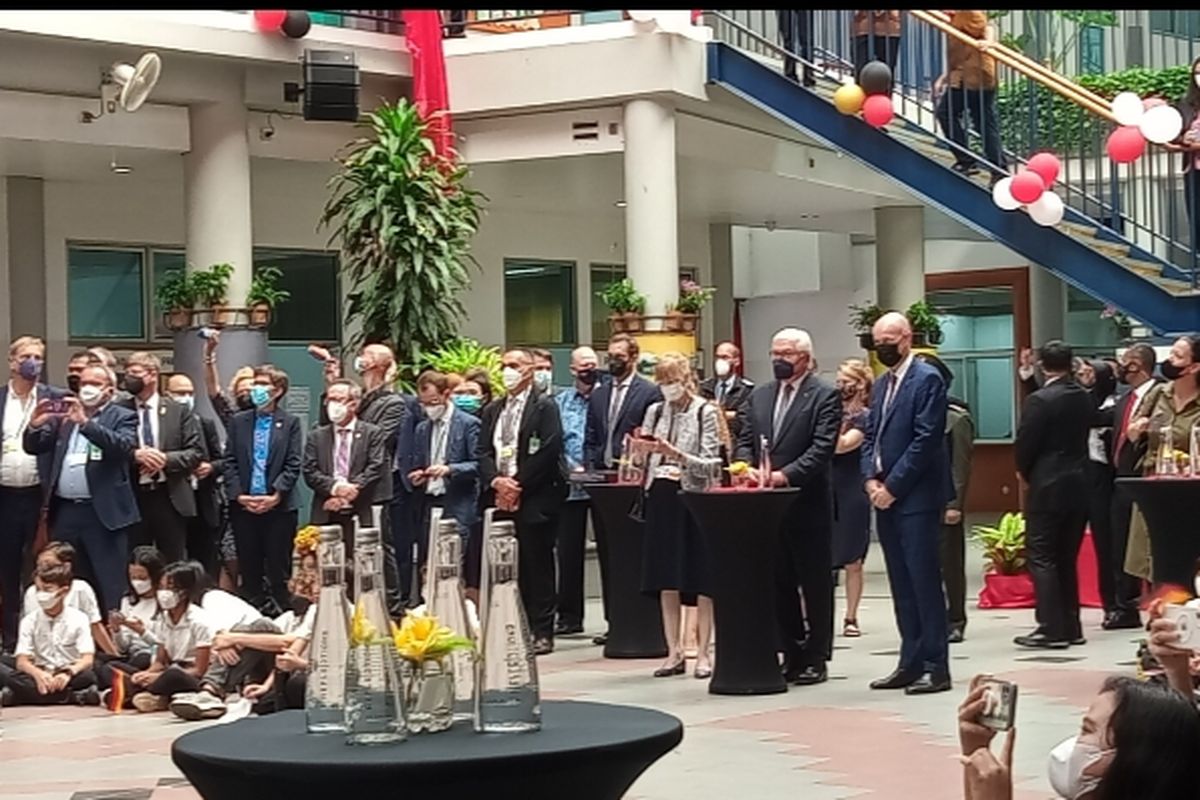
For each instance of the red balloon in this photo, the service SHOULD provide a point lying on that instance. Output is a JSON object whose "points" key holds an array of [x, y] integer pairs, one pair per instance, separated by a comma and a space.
{"points": [[1046, 165], [1027, 187], [269, 20], [877, 110], [1126, 144]]}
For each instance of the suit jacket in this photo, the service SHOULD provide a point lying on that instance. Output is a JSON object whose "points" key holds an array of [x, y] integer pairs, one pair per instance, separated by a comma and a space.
{"points": [[405, 441], [210, 492], [960, 438], [462, 444], [283, 458], [179, 440], [42, 391], [368, 463], [640, 395], [541, 470], [385, 409], [1131, 453], [803, 450], [1051, 446], [910, 441], [113, 431], [737, 395]]}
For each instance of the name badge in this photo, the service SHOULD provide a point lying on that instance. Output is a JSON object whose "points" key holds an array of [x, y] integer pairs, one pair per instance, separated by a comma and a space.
{"points": [[507, 452], [94, 453], [76, 459], [535, 444]]}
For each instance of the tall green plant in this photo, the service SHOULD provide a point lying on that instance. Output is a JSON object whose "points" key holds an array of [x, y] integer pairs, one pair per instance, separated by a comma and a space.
{"points": [[403, 220], [463, 355]]}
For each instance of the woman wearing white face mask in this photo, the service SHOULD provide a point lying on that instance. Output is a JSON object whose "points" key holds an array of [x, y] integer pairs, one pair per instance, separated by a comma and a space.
{"points": [[677, 434], [1139, 740]]}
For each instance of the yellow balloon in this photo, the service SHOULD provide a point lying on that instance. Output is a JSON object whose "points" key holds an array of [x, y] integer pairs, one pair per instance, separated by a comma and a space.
{"points": [[849, 98]]}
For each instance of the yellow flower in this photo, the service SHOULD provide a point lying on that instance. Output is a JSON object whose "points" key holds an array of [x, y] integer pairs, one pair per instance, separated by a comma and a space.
{"points": [[738, 468], [421, 637], [306, 539], [361, 630]]}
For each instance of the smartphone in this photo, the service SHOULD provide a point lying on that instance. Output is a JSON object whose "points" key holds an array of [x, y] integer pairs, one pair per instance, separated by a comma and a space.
{"points": [[1000, 705], [1187, 621], [58, 405]]}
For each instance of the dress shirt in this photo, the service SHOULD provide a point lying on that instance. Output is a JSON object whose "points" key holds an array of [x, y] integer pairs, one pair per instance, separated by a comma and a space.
{"points": [[896, 377], [180, 639], [18, 469], [262, 452], [57, 642], [72, 480], [615, 401], [149, 409], [509, 422], [439, 435], [343, 434], [572, 410], [784, 400]]}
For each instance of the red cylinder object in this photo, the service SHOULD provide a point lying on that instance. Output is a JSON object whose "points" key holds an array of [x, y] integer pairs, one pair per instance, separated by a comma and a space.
{"points": [[1126, 144], [269, 20], [877, 110], [1027, 187]]}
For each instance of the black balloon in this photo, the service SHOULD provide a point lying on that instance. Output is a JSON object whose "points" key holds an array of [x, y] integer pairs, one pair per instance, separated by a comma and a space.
{"points": [[297, 23], [875, 78]]}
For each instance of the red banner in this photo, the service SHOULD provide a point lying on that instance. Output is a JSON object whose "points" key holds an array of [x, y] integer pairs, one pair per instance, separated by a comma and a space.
{"points": [[423, 35]]}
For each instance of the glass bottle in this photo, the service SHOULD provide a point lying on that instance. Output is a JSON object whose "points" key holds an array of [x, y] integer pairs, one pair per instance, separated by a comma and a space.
{"points": [[325, 691], [1165, 463], [448, 603], [764, 463], [374, 700], [507, 698], [1194, 449]]}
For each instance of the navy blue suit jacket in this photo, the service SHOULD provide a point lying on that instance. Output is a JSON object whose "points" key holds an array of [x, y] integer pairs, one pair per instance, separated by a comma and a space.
{"points": [[284, 457], [911, 441], [113, 430], [640, 395], [462, 486], [406, 442]]}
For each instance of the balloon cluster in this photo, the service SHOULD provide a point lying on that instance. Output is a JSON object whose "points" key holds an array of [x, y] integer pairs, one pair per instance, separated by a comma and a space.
{"points": [[293, 24], [1141, 121], [872, 95], [1031, 188]]}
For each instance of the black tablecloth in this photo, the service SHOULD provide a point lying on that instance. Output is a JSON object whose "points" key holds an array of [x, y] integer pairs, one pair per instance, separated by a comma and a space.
{"points": [[634, 618], [1169, 507], [741, 531], [585, 751]]}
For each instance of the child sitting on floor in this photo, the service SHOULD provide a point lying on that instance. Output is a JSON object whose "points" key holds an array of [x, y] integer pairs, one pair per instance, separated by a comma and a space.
{"points": [[133, 625], [81, 595]]}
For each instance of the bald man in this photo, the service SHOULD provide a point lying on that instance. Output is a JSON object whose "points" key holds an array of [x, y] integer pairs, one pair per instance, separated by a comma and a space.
{"points": [[727, 386], [907, 474]]}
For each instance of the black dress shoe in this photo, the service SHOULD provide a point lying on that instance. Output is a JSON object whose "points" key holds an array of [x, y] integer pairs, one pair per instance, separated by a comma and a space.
{"points": [[601, 640], [899, 679], [543, 646], [1122, 620], [955, 636], [807, 676], [1040, 641], [930, 683], [567, 629]]}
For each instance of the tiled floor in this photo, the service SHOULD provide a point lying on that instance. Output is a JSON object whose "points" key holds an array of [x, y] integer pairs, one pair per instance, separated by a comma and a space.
{"points": [[837, 740]]}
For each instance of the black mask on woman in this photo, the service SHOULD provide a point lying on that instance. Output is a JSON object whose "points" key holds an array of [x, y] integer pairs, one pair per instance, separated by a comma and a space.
{"points": [[888, 354], [1170, 371]]}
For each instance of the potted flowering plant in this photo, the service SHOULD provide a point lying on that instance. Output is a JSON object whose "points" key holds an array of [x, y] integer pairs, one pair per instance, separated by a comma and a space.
{"points": [[425, 647], [1006, 580], [686, 311], [626, 306]]}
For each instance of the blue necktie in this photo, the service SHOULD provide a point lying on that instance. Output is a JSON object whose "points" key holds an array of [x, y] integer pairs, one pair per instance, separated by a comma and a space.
{"points": [[147, 428]]}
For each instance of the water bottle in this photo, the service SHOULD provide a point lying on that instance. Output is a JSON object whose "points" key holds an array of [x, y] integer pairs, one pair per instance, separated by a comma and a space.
{"points": [[448, 603], [1194, 449], [325, 692], [764, 463], [374, 700], [507, 698]]}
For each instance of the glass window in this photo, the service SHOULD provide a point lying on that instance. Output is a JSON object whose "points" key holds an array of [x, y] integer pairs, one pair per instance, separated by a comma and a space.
{"points": [[165, 263], [539, 302], [313, 311], [1088, 330], [105, 293]]}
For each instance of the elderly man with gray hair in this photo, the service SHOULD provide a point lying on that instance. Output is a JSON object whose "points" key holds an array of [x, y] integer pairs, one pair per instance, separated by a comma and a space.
{"points": [[799, 416]]}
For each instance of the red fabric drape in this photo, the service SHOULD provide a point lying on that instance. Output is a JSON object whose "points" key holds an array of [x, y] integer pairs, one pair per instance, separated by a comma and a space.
{"points": [[423, 35]]}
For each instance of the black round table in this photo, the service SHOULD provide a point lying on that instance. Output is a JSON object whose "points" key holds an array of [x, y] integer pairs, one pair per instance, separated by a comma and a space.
{"points": [[741, 532], [1167, 505], [634, 618], [589, 751]]}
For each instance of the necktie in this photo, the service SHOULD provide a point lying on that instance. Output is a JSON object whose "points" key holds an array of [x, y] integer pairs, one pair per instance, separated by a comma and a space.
{"points": [[1121, 431], [341, 466], [147, 427], [614, 412], [781, 410], [721, 393], [891, 392]]}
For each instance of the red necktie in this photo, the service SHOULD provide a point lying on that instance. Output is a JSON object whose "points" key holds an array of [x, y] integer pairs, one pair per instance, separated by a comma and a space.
{"points": [[1133, 401]]}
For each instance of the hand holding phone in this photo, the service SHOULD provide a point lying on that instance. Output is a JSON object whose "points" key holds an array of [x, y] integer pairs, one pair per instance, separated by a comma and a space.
{"points": [[999, 704]]}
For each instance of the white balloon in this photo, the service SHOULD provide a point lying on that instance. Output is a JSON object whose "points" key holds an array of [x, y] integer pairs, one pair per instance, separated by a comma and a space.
{"points": [[1002, 195], [1161, 124], [1047, 210], [1127, 108]]}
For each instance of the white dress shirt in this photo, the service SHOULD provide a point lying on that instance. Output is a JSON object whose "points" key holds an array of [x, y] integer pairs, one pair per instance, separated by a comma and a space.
{"points": [[153, 403], [338, 434], [180, 639], [53, 643], [506, 459], [616, 400], [18, 469], [439, 436]]}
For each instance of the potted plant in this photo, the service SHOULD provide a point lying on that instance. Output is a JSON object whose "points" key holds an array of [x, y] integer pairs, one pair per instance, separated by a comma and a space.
{"points": [[264, 296], [462, 355], [926, 327], [684, 314], [863, 317], [211, 287], [626, 305], [176, 296], [1006, 580], [1120, 321]]}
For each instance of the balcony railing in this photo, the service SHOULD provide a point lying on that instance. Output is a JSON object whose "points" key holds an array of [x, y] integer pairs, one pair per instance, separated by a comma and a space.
{"points": [[458, 22]]}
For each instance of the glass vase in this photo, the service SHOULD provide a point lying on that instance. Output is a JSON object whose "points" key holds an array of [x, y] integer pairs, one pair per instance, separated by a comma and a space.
{"points": [[429, 694]]}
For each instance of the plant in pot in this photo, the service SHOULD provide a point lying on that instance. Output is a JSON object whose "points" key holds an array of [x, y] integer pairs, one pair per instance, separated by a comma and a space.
{"points": [[927, 328], [863, 317], [264, 295], [176, 296], [211, 287], [462, 355], [692, 298], [1006, 580], [627, 307]]}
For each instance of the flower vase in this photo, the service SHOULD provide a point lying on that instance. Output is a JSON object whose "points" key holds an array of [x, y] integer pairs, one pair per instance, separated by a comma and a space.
{"points": [[429, 694]]}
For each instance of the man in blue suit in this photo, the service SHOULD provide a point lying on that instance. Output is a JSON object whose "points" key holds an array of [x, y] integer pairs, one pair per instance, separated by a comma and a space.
{"points": [[444, 465], [907, 474], [90, 442]]}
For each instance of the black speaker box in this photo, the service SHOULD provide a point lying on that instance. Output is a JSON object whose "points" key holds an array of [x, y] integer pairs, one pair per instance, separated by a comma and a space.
{"points": [[331, 84]]}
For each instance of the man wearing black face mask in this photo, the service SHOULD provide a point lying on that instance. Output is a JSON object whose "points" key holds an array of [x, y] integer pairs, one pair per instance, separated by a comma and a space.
{"points": [[75, 367], [572, 528]]}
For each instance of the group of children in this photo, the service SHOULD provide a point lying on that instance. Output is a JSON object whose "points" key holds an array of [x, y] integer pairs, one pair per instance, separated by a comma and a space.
{"points": [[175, 642]]}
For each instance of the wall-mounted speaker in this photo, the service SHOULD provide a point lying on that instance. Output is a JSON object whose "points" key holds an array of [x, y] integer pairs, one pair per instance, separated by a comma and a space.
{"points": [[331, 86]]}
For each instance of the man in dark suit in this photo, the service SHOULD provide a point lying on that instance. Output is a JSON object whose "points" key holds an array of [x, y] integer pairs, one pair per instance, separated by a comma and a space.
{"points": [[727, 386], [87, 481], [1051, 451], [167, 453], [264, 455], [800, 416], [615, 408], [907, 474], [523, 475], [344, 463], [444, 467], [204, 529]]}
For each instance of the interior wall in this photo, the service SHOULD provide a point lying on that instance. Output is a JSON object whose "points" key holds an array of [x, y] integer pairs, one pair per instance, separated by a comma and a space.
{"points": [[5, 317]]}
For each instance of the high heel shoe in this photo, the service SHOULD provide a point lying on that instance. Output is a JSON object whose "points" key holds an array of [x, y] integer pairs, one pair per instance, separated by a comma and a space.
{"points": [[678, 668]]}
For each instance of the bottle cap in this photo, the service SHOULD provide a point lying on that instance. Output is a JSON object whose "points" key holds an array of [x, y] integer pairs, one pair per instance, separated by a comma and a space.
{"points": [[447, 526], [503, 528], [367, 536], [330, 534]]}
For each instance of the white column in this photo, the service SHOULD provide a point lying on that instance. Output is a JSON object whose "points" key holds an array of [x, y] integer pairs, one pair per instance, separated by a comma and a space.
{"points": [[900, 256], [651, 216], [1047, 306], [217, 183]]}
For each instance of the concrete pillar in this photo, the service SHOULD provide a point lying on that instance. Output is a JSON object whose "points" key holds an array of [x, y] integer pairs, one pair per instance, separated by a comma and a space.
{"points": [[720, 243], [25, 218], [1047, 306], [651, 216], [900, 256]]}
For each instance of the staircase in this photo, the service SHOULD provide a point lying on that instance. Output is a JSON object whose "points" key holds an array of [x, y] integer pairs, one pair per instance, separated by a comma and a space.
{"points": [[1081, 250]]}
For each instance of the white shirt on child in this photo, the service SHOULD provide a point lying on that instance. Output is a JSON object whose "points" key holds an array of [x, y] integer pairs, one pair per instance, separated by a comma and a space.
{"points": [[55, 642], [143, 610], [224, 610], [180, 639], [80, 596]]}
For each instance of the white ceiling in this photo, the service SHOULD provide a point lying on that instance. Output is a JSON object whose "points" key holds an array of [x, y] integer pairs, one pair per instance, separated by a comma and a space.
{"points": [[61, 161]]}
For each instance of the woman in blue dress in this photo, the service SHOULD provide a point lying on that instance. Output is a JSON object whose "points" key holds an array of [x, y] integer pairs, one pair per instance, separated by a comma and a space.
{"points": [[852, 510]]}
